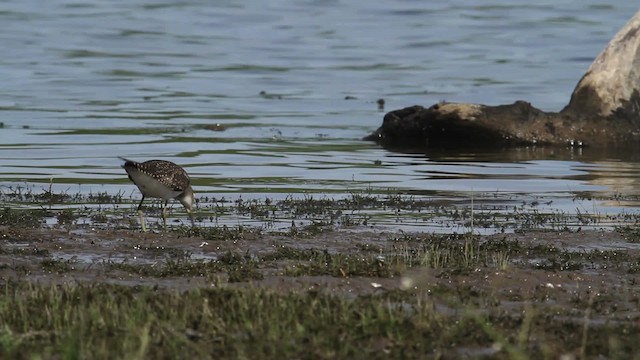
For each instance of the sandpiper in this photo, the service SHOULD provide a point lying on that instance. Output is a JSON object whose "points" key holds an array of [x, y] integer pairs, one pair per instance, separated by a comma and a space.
{"points": [[160, 179]]}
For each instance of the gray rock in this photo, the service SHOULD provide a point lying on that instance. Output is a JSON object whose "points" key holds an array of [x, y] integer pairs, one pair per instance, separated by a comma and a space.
{"points": [[610, 86]]}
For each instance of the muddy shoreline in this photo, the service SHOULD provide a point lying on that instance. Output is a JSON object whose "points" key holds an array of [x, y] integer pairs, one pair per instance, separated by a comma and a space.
{"points": [[550, 264], [570, 291]]}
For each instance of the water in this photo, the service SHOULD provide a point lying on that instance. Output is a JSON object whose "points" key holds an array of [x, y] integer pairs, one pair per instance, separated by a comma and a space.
{"points": [[271, 98]]}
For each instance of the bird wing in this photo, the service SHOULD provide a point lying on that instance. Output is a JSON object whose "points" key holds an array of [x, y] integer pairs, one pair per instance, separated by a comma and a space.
{"points": [[165, 172]]}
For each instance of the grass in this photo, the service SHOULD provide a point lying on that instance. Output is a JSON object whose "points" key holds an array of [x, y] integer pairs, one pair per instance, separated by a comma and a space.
{"points": [[24, 218], [57, 266], [341, 265], [110, 321]]}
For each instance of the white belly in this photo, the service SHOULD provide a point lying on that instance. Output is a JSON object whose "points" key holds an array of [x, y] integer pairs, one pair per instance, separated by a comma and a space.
{"points": [[151, 187]]}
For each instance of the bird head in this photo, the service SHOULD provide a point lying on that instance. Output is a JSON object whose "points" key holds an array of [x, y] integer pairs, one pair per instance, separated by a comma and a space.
{"points": [[186, 199]]}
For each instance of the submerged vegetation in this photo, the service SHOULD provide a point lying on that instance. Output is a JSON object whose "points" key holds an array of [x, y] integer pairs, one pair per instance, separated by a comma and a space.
{"points": [[310, 213], [315, 277]]}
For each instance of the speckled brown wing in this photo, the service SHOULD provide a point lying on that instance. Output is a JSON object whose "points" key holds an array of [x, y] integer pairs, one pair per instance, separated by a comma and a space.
{"points": [[165, 172]]}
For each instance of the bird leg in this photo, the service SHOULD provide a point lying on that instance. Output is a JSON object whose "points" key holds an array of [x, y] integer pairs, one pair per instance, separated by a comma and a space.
{"points": [[141, 214], [193, 224], [164, 215]]}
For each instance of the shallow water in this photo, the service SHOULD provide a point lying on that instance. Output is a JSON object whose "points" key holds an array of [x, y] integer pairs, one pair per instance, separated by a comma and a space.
{"points": [[271, 99]]}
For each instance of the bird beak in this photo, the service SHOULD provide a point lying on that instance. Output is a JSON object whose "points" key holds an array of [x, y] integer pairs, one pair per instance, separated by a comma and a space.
{"points": [[191, 218]]}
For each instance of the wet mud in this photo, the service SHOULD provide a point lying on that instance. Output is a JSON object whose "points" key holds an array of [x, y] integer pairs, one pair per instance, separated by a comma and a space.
{"points": [[556, 269]]}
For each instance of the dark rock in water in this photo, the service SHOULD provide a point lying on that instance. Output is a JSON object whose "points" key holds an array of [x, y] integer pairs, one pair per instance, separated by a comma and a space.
{"points": [[468, 125], [604, 111]]}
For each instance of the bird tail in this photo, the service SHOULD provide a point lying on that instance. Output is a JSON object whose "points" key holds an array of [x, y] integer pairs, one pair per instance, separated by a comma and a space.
{"points": [[127, 162]]}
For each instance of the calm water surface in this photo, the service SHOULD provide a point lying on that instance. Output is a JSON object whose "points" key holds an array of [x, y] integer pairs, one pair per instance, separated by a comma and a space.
{"points": [[271, 98]]}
